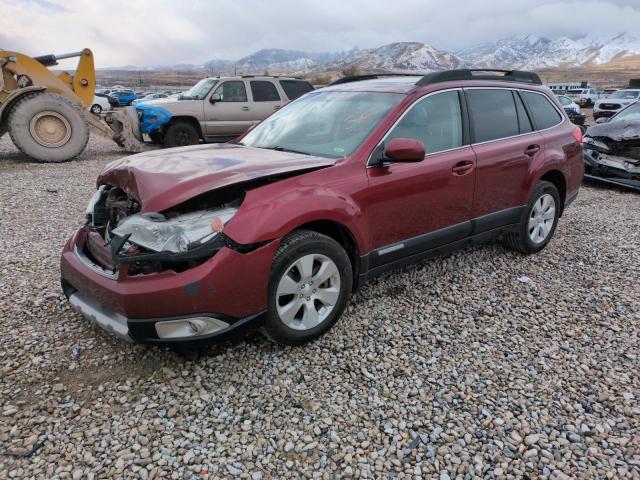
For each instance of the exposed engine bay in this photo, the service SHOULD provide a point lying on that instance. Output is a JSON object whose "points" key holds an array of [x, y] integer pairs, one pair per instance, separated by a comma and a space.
{"points": [[177, 239]]}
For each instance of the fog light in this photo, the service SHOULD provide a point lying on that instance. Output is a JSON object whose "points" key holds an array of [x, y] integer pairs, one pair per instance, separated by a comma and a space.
{"points": [[189, 327]]}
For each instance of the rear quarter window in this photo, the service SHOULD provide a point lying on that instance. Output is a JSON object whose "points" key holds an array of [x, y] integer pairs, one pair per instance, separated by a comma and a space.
{"points": [[543, 112], [295, 88], [493, 114]]}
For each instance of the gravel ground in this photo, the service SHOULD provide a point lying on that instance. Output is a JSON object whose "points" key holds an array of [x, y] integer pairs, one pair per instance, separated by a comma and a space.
{"points": [[481, 364]]}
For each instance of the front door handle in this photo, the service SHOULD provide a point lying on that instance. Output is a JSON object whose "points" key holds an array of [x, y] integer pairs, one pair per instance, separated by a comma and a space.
{"points": [[462, 168], [531, 150], [246, 109], [276, 107]]}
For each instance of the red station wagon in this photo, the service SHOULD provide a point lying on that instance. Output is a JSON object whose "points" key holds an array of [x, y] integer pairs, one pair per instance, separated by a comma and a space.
{"points": [[275, 229]]}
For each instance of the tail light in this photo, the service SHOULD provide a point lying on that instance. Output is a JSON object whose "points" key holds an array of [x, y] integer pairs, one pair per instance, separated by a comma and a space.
{"points": [[577, 134]]}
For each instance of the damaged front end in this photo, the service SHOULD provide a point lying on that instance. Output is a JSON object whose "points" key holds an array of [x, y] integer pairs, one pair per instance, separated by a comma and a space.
{"points": [[183, 237], [612, 151]]}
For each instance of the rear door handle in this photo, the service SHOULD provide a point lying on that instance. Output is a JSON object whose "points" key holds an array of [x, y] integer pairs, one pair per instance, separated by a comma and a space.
{"points": [[276, 107], [245, 109], [531, 150], [462, 168]]}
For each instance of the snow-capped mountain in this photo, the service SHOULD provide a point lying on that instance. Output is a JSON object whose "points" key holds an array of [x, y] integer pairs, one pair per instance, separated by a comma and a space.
{"points": [[528, 52], [531, 52], [401, 56]]}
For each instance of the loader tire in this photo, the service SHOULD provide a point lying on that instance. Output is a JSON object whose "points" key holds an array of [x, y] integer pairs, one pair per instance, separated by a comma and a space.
{"points": [[48, 128]]}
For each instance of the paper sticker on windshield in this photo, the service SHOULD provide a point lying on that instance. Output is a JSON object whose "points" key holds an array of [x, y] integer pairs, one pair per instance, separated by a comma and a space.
{"points": [[339, 150]]}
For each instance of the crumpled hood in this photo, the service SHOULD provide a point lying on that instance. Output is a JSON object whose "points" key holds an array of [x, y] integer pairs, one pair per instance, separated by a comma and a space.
{"points": [[617, 131], [161, 179]]}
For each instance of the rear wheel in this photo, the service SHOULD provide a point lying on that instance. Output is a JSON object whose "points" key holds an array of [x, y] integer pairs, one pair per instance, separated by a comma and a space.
{"points": [[309, 287], [48, 128], [181, 134], [96, 109], [539, 221]]}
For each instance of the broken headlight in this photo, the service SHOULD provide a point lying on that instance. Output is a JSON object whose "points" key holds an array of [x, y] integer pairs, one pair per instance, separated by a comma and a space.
{"points": [[155, 232]]}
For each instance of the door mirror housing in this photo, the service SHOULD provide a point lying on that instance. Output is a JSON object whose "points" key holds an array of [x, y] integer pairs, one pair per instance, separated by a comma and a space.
{"points": [[214, 98], [405, 150], [602, 120]]}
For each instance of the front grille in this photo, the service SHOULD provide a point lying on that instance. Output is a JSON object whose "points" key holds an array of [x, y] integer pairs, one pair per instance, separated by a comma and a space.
{"points": [[609, 106]]}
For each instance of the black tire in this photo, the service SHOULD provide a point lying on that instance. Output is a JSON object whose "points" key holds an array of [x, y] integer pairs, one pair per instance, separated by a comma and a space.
{"points": [[181, 134], [521, 240], [295, 246], [26, 110], [96, 109], [156, 137]]}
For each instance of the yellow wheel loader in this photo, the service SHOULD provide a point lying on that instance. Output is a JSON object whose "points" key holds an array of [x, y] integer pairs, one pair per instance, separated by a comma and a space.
{"points": [[46, 113]]}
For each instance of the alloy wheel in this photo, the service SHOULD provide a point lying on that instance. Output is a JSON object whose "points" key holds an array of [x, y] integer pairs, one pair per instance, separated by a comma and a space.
{"points": [[308, 291], [542, 218]]}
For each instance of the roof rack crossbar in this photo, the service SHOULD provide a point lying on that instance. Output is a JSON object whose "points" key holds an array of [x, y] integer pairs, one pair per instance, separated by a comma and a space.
{"points": [[475, 74], [371, 76]]}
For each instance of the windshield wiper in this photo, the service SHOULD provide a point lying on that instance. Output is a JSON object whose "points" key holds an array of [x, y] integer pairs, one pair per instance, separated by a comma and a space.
{"points": [[284, 149]]}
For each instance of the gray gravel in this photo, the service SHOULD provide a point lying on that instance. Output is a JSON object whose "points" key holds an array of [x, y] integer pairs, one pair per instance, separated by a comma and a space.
{"points": [[481, 364]]}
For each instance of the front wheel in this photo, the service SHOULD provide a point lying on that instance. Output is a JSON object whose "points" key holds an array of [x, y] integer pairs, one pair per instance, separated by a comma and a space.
{"points": [[309, 287], [96, 109], [539, 221], [181, 134]]}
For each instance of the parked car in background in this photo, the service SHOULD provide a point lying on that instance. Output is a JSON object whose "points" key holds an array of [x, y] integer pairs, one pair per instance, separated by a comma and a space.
{"points": [[221, 108], [572, 109], [585, 97], [608, 91], [608, 107], [151, 96], [347, 182], [612, 148], [125, 97], [113, 102], [100, 104]]}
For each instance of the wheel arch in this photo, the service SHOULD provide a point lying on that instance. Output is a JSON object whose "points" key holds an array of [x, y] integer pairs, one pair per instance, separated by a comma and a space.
{"points": [[557, 178], [12, 99], [338, 232]]}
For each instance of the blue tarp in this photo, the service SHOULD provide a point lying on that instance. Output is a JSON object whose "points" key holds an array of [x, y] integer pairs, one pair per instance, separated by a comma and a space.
{"points": [[152, 117]]}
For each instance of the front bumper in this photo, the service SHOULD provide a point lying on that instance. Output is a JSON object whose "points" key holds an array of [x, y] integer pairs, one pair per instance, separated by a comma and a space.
{"points": [[230, 287]]}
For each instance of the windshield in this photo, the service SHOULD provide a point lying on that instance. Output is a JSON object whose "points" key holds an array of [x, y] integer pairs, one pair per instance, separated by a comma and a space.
{"points": [[630, 113], [199, 90], [575, 92], [328, 124], [625, 94]]}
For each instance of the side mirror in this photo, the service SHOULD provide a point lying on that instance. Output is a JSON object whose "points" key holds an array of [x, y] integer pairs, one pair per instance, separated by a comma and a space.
{"points": [[602, 120], [214, 98], [405, 150]]}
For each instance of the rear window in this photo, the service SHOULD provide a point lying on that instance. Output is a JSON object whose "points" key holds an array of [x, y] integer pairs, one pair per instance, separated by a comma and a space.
{"points": [[493, 114], [295, 88], [264, 91], [544, 113], [575, 92]]}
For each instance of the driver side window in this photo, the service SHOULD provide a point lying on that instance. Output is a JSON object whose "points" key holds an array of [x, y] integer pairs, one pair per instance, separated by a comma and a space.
{"points": [[233, 91], [435, 120]]}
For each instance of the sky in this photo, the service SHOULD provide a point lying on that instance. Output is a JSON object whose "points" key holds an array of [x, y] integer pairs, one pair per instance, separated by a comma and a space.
{"points": [[163, 32]]}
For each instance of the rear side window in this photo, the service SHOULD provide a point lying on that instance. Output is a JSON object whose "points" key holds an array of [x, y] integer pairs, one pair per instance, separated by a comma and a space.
{"points": [[295, 88], [544, 113], [264, 91], [523, 119], [493, 114]]}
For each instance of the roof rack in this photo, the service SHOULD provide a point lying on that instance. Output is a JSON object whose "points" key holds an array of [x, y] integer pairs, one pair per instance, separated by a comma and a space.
{"points": [[371, 76], [271, 76], [480, 74]]}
